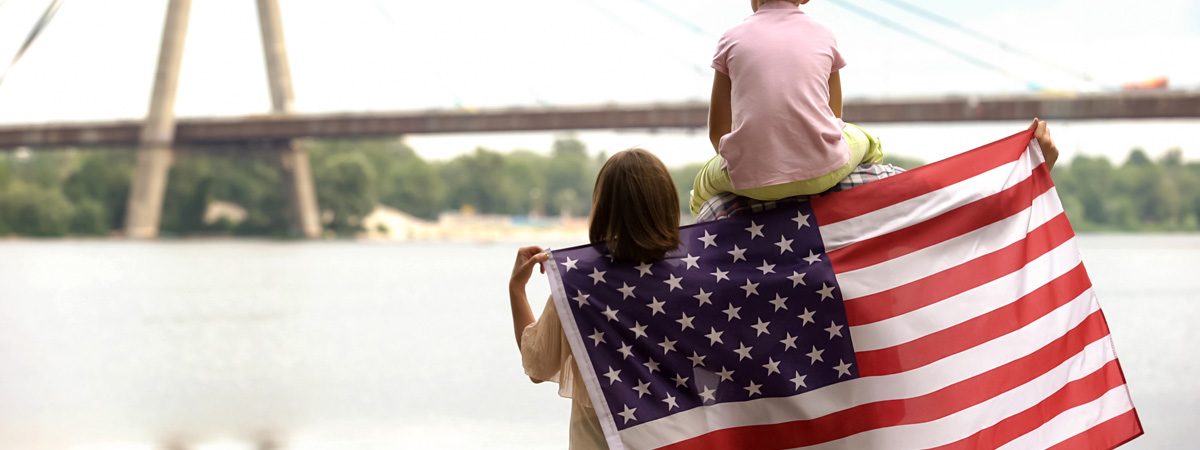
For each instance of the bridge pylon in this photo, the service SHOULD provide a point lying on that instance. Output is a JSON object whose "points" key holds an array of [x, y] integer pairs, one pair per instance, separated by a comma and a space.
{"points": [[155, 154]]}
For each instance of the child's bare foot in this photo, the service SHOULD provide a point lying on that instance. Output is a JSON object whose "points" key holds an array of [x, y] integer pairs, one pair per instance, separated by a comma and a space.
{"points": [[1042, 134]]}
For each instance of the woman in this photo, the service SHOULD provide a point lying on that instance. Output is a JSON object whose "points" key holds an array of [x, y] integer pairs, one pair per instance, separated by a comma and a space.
{"points": [[635, 213]]}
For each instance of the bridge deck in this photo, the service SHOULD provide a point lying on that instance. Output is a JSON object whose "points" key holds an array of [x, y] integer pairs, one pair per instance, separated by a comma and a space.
{"points": [[1139, 105]]}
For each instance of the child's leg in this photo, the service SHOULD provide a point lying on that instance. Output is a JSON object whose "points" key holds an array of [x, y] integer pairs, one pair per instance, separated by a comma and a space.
{"points": [[710, 181], [864, 149]]}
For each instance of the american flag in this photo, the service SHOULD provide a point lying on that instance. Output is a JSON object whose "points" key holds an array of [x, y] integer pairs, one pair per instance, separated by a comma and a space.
{"points": [[945, 307]]}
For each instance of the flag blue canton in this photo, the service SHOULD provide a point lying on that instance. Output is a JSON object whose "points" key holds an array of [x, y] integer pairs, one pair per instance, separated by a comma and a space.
{"points": [[745, 309]]}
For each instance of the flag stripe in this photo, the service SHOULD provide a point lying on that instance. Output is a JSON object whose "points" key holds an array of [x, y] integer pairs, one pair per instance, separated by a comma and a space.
{"points": [[836, 235], [919, 181], [978, 330], [968, 420], [849, 394], [928, 407], [1109, 434], [947, 226], [958, 279], [1075, 393], [1063, 428], [958, 308]]}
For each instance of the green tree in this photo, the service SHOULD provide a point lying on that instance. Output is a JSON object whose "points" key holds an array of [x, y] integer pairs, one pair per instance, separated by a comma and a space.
{"points": [[345, 191]]}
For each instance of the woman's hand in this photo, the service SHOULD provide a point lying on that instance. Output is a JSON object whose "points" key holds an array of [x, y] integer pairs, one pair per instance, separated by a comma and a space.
{"points": [[523, 266], [1041, 132]]}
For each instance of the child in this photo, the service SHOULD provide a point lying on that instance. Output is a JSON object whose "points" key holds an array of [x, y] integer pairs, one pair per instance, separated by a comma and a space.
{"points": [[775, 117]]}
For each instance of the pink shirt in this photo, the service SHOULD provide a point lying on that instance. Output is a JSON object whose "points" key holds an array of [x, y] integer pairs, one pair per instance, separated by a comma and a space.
{"points": [[779, 61]]}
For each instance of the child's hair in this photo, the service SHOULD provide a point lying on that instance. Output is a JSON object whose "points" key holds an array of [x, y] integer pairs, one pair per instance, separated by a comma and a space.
{"points": [[635, 209]]}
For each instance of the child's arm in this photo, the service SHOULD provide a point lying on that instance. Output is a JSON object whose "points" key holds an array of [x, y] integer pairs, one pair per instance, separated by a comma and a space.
{"points": [[835, 93], [720, 116]]}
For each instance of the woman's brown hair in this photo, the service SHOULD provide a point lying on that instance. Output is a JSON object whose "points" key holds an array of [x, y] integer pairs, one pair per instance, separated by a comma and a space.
{"points": [[635, 210]]}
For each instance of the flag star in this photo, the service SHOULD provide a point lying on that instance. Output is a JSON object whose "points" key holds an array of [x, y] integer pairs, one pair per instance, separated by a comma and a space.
{"points": [[707, 394], [680, 380], [755, 230], [696, 359], [628, 413], [709, 240], [738, 253], [801, 220], [670, 401], [714, 336], [674, 283], [788, 341], [638, 330], [691, 261], [807, 317], [834, 330], [597, 276], [651, 365], [732, 312], [597, 337], [626, 290], [610, 313], [812, 257], [772, 366], [703, 297], [798, 380], [667, 345], [725, 374], [797, 279], [826, 291], [843, 368], [570, 264], [643, 388], [779, 302], [685, 322], [581, 299], [784, 244], [750, 288], [721, 274], [743, 351], [760, 327], [656, 306], [626, 350], [766, 268], [613, 375], [753, 389], [643, 270], [815, 355]]}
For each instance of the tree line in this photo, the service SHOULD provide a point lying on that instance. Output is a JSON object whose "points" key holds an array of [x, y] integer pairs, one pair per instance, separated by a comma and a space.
{"points": [[83, 192]]}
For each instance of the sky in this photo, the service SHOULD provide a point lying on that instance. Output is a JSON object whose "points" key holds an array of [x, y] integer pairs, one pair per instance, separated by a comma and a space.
{"points": [[96, 60]]}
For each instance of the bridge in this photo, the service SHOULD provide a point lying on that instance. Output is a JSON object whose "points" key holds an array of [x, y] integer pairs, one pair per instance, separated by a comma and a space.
{"points": [[156, 137], [688, 115]]}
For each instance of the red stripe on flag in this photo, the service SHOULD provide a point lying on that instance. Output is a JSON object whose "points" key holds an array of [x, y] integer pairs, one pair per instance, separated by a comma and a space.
{"points": [[855, 202], [1075, 393], [925, 408], [952, 224], [961, 278], [1111, 433], [977, 330]]}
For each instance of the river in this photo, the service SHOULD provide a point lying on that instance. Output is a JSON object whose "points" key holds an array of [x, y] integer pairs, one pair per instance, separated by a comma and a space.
{"points": [[219, 343]]}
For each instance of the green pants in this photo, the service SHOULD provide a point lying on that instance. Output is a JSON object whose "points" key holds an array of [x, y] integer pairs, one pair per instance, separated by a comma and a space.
{"points": [[713, 180]]}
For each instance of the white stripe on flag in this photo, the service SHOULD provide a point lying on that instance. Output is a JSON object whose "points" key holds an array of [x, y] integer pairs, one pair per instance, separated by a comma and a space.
{"points": [[894, 217], [952, 252], [1076, 420], [962, 307], [830, 399], [968, 421]]}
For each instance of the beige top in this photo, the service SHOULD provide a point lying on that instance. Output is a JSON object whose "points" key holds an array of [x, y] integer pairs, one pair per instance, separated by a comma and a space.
{"points": [[546, 356]]}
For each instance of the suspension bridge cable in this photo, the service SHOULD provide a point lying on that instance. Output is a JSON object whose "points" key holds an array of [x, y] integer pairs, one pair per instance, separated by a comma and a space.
{"points": [[950, 23], [679, 20], [614, 18], [966, 57], [41, 24]]}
